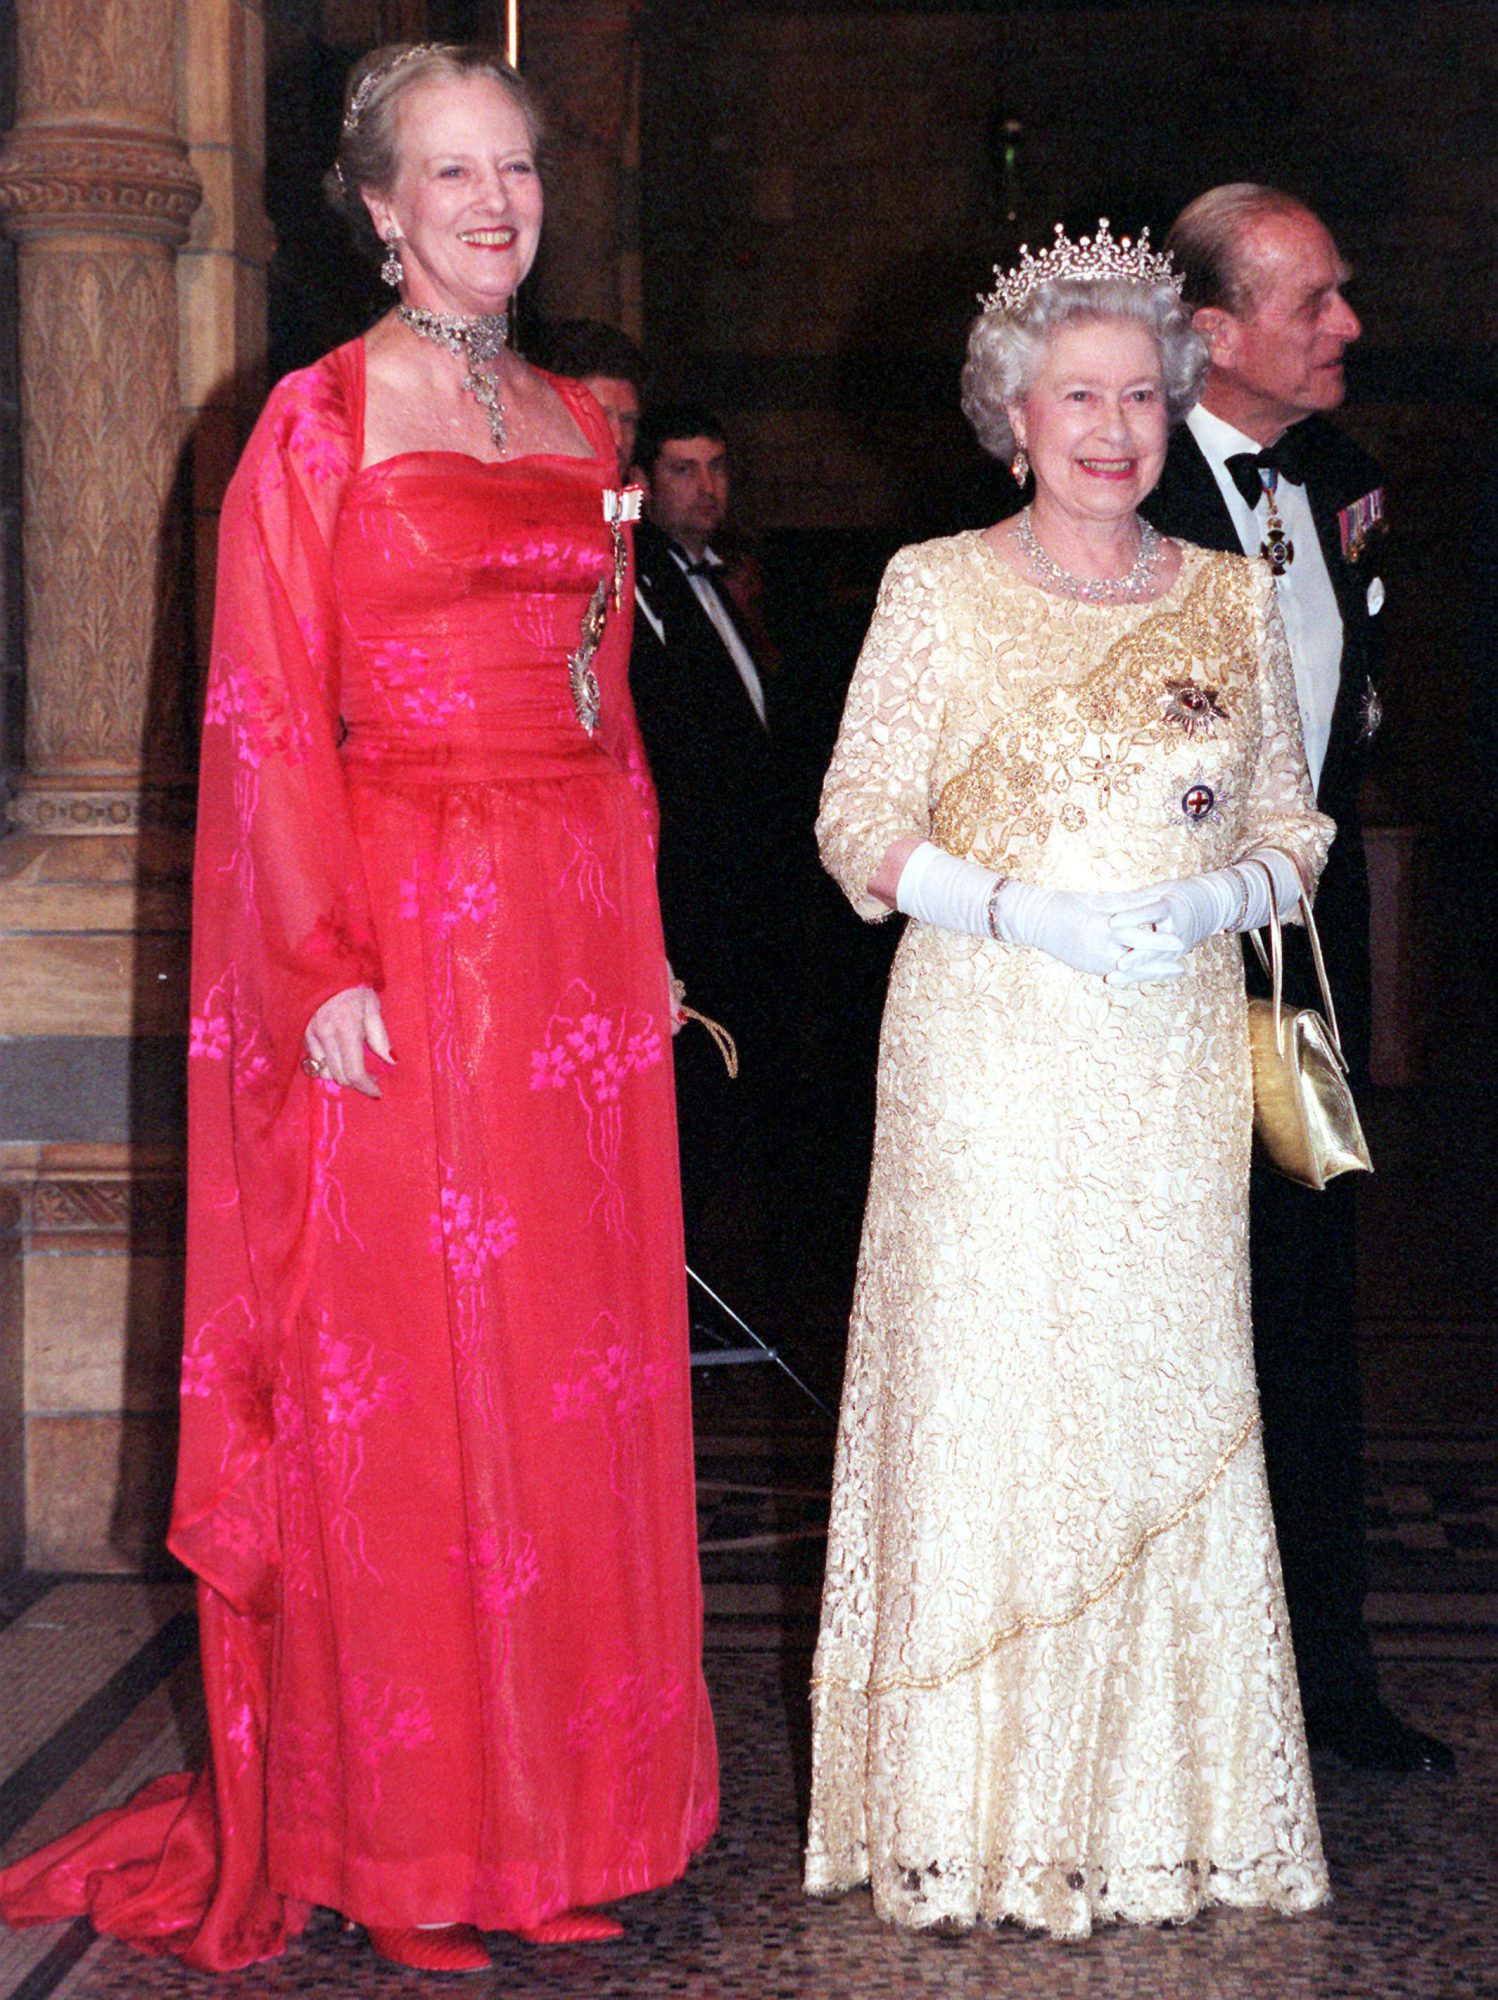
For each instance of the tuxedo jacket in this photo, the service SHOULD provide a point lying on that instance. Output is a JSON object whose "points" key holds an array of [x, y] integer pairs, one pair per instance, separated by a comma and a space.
{"points": [[724, 832], [1188, 504]]}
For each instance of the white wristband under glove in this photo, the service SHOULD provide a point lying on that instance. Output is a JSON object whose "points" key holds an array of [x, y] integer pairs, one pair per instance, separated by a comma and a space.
{"points": [[1194, 907], [1082, 931]]}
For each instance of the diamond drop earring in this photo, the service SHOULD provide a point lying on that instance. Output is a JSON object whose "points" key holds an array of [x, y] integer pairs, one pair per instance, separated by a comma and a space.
{"points": [[392, 270], [1020, 467]]}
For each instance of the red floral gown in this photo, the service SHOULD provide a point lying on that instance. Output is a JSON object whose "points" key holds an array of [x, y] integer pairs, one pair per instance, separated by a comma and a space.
{"points": [[436, 1457]]}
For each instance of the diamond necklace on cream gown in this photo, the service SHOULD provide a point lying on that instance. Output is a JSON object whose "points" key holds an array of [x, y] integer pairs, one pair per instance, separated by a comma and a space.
{"points": [[1054, 1681]]}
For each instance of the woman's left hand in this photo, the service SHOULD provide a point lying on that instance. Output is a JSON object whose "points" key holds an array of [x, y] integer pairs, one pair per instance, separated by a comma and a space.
{"points": [[338, 1034], [1190, 908], [1236, 898]]}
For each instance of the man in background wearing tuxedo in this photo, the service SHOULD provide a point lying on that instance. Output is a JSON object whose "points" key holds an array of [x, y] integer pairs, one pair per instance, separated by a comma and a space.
{"points": [[609, 366], [728, 857], [1257, 467]]}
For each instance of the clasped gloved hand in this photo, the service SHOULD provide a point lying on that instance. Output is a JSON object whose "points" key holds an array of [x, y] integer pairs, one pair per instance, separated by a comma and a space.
{"points": [[1108, 934]]}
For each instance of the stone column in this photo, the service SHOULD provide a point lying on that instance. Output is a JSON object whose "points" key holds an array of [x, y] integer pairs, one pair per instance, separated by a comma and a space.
{"points": [[97, 188], [582, 56]]}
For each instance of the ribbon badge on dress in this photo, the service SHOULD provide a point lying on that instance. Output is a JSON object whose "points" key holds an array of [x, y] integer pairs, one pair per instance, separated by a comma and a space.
{"points": [[1357, 523], [619, 507]]}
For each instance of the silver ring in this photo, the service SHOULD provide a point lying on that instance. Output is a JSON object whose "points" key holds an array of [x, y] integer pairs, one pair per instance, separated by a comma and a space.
{"points": [[314, 1066]]}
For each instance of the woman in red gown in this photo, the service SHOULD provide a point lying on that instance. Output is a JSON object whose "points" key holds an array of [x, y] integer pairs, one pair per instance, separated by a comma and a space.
{"points": [[436, 1465]]}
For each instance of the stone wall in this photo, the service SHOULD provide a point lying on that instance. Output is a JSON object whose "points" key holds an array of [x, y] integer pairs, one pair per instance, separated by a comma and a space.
{"points": [[131, 185], [12, 729]]}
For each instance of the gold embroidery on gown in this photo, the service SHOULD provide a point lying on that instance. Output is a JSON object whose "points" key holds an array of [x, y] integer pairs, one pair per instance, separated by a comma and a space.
{"points": [[1054, 1680]]}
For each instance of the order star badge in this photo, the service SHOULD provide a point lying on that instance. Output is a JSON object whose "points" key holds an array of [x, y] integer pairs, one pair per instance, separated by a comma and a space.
{"points": [[1193, 708]]}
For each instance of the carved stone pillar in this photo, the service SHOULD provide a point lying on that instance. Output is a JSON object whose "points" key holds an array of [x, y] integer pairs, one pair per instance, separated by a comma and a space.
{"points": [[96, 186], [582, 56], [97, 189]]}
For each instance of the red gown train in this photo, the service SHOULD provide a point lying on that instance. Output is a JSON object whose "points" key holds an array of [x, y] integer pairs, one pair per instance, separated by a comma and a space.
{"points": [[436, 1459]]}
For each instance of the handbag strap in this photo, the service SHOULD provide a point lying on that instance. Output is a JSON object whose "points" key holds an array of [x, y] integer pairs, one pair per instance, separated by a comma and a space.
{"points": [[1273, 963]]}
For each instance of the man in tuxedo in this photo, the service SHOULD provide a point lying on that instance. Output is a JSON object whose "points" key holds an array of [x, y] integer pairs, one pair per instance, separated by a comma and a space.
{"points": [[1258, 467], [727, 869]]}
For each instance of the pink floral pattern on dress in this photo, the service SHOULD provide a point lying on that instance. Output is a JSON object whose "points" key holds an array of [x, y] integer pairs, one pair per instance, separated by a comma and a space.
{"points": [[522, 1891], [595, 1051], [471, 1234], [240, 1718], [475, 1231], [585, 872], [264, 725], [322, 454], [379, 1720], [622, 1719], [243, 1525], [642, 785], [208, 1031], [450, 903], [221, 1028], [326, 1200], [307, 1755], [416, 690], [255, 706], [323, 1433], [499, 1567], [612, 1385], [223, 1357], [470, 894]]}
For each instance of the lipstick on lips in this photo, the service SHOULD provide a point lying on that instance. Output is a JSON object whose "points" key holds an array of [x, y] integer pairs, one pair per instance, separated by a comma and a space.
{"points": [[1109, 468]]}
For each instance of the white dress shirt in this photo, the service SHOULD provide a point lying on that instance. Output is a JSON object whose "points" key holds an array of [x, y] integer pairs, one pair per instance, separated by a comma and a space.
{"points": [[727, 631], [1308, 603]]}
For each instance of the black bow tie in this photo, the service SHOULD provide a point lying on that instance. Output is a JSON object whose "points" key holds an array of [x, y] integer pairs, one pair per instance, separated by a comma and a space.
{"points": [[703, 568], [1285, 456]]}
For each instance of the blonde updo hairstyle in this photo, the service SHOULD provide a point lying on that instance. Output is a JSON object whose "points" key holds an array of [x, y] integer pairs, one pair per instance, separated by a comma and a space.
{"points": [[1004, 348], [369, 156]]}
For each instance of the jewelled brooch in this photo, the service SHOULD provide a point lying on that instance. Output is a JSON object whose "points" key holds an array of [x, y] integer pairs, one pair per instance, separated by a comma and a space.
{"points": [[1188, 706]]}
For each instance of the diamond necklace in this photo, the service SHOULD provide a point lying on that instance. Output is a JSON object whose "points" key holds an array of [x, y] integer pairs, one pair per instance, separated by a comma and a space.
{"points": [[479, 341], [1139, 583]]}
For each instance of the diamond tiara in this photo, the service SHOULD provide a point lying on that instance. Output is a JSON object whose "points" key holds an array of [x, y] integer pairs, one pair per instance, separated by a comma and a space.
{"points": [[1089, 260], [368, 82]]}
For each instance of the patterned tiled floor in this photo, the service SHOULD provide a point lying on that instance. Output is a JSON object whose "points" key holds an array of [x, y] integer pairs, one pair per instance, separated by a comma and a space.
{"points": [[98, 1693], [1414, 1914], [98, 1680]]}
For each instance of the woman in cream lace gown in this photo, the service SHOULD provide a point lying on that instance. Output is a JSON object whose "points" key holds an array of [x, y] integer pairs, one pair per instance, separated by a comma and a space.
{"points": [[1054, 1681]]}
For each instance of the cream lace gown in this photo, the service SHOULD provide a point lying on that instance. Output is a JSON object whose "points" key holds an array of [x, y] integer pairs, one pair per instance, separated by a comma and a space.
{"points": [[1054, 1681]]}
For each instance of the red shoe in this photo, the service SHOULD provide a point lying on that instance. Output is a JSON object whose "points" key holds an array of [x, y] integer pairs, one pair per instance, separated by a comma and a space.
{"points": [[451, 1948], [572, 1927]]}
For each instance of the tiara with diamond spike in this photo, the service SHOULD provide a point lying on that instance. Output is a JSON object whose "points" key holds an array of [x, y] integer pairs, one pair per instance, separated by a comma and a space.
{"points": [[1089, 260], [376, 76]]}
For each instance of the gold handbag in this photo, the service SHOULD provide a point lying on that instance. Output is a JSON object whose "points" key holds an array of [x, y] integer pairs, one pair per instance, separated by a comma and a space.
{"points": [[1305, 1119]]}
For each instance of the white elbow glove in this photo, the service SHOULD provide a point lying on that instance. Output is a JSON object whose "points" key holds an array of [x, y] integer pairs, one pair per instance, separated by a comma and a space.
{"points": [[940, 888], [1195, 907], [1089, 933]]}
